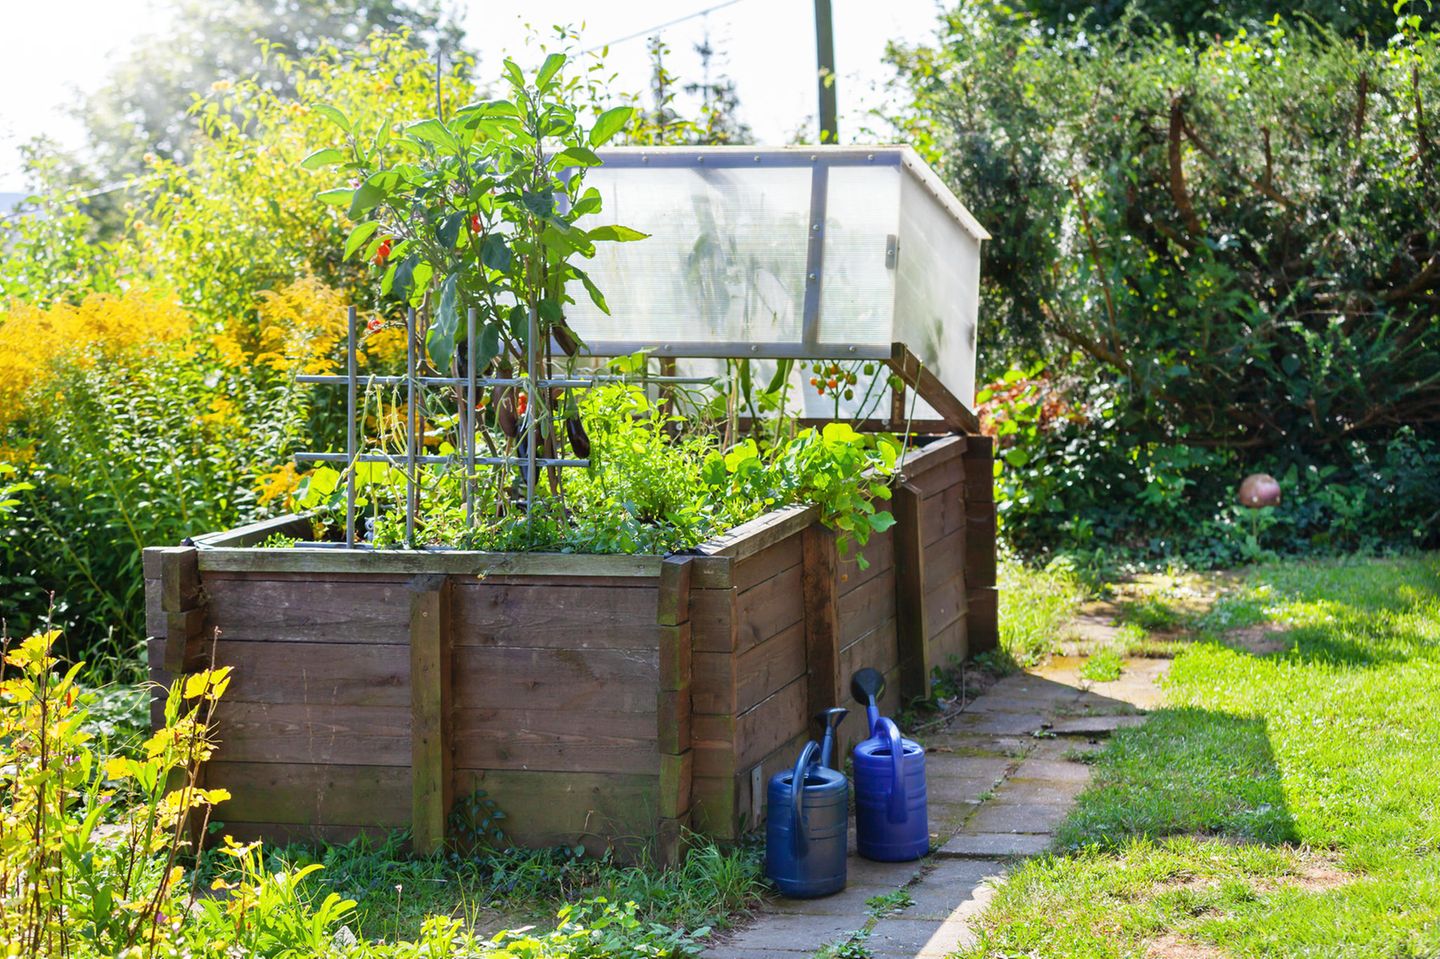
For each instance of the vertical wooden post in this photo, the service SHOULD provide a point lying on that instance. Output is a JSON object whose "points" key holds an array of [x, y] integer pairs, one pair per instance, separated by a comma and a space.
{"points": [[982, 600], [183, 606], [673, 739], [430, 747], [820, 584], [912, 632]]}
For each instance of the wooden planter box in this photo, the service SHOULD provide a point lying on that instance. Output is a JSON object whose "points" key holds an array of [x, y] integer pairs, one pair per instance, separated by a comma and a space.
{"points": [[609, 700]]}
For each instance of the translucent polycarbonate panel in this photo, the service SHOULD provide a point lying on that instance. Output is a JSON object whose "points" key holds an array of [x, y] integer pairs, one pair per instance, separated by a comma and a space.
{"points": [[724, 262], [862, 220], [937, 289]]}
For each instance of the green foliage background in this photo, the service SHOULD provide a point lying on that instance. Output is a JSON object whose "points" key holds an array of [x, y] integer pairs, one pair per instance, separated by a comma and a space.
{"points": [[1211, 256]]}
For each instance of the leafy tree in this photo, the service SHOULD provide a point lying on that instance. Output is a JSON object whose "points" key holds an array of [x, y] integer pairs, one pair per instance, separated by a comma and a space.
{"points": [[718, 120], [142, 109], [1225, 251], [1374, 19]]}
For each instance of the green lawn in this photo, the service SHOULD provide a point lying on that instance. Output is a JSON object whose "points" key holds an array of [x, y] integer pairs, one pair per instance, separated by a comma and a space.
{"points": [[1285, 802]]}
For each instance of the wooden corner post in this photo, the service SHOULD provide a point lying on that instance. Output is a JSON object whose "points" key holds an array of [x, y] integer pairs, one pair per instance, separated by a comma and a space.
{"points": [[911, 632], [982, 598], [430, 741], [820, 567], [673, 710], [182, 604]]}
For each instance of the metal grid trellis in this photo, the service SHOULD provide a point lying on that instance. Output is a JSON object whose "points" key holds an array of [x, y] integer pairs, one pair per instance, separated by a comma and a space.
{"points": [[532, 383]]}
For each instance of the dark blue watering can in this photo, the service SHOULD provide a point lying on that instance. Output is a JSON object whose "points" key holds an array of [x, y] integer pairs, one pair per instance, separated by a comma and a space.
{"points": [[806, 822], [892, 821]]}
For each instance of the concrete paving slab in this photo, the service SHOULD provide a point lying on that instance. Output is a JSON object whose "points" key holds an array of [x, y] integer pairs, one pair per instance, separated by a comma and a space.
{"points": [[849, 902], [917, 938], [1046, 792], [893, 875], [948, 890], [971, 745], [781, 933], [1095, 725], [1062, 750], [1053, 770], [986, 845], [996, 724], [1039, 818]]}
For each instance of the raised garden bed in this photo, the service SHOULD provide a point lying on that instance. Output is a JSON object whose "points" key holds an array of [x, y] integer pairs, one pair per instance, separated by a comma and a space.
{"points": [[606, 700]]}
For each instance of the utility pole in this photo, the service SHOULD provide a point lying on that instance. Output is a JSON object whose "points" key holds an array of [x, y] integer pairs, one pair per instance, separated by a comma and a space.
{"points": [[825, 56]]}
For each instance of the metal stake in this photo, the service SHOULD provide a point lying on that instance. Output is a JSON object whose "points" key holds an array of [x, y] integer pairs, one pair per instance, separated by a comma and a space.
{"points": [[350, 431], [532, 410], [412, 490], [469, 418]]}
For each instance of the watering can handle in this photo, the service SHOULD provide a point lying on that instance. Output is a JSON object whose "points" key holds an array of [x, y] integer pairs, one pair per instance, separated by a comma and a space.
{"points": [[887, 726], [797, 792]]}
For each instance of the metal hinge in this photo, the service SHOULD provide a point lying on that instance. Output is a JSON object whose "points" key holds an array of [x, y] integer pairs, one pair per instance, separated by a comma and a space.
{"points": [[892, 250]]}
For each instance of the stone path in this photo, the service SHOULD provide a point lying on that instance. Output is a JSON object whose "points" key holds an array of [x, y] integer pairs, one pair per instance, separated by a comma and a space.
{"points": [[1001, 777]]}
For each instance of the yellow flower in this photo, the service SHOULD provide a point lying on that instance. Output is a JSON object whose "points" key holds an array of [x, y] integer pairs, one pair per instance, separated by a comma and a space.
{"points": [[278, 483]]}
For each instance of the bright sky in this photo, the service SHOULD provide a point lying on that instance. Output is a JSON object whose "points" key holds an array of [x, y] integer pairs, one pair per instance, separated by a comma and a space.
{"points": [[767, 46]]}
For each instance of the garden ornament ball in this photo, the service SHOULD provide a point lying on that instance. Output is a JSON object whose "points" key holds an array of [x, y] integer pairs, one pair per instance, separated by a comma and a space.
{"points": [[1259, 490]]}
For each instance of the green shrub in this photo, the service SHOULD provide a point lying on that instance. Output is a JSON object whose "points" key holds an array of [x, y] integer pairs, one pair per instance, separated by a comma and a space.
{"points": [[1221, 257]]}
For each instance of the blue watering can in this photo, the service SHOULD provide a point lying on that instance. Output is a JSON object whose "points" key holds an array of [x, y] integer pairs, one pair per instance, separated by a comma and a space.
{"points": [[892, 821], [806, 821]]}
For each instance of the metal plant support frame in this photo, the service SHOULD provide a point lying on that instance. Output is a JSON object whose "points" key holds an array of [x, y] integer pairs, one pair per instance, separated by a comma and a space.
{"points": [[413, 384]]}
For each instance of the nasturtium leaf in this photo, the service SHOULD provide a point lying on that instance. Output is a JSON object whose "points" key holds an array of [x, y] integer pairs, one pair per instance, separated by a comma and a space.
{"points": [[549, 68], [880, 522], [440, 340], [617, 233], [609, 123], [333, 115], [328, 156], [359, 237]]}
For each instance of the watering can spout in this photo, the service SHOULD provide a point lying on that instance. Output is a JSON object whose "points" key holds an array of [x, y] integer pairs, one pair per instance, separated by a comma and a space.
{"points": [[867, 686], [829, 720]]}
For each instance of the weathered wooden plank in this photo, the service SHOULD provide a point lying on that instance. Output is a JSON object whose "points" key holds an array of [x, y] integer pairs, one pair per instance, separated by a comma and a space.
{"points": [[951, 641], [982, 620], [284, 833], [673, 721], [555, 808], [713, 683], [711, 572], [945, 557], [676, 657], [180, 599], [769, 666], [671, 838], [863, 609], [555, 740], [309, 611], [766, 564], [774, 721], [919, 459], [777, 760], [943, 514], [316, 559], [354, 674], [676, 773], [922, 380], [674, 592], [327, 794], [769, 608], [430, 699], [943, 477], [503, 677], [555, 616], [297, 525], [980, 470], [822, 623], [312, 733], [714, 617], [944, 603], [980, 564], [712, 807], [877, 649], [911, 630], [761, 532], [879, 553]]}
